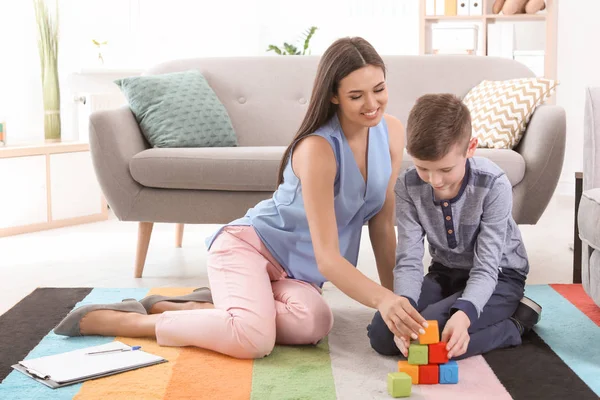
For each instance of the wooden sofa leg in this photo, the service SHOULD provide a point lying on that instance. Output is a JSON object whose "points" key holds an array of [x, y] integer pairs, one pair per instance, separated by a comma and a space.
{"points": [[179, 235], [144, 233]]}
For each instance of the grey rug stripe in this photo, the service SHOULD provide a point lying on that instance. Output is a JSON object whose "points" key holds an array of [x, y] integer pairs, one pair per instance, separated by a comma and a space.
{"points": [[358, 371]]}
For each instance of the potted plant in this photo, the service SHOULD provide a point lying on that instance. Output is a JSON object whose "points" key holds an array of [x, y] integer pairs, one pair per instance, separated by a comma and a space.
{"points": [[47, 23], [99, 44], [289, 49]]}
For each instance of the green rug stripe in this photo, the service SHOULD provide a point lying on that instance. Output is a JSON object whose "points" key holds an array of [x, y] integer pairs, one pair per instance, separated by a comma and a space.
{"points": [[294, 372]]}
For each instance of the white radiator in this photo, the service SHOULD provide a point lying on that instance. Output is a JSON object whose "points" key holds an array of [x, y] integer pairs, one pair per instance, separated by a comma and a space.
{"points": [[89, 103], [106, 101]]}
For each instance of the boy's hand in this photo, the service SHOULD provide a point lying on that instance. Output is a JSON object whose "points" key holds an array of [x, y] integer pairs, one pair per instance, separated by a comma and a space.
{"points": [[401, 343], [400, 317], [456, 334]]}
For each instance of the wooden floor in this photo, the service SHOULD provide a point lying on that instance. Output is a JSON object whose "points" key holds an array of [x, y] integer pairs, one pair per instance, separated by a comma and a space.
{"points": [[102, 255]]}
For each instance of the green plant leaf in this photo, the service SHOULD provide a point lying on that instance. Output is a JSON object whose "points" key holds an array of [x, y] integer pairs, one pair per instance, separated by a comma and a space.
{"points": [[274, 48], [307, 36], [291, 49], [47, 22]]}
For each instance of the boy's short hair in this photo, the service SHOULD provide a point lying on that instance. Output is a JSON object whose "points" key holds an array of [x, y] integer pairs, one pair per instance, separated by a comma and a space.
{"points": [[436, 123]]}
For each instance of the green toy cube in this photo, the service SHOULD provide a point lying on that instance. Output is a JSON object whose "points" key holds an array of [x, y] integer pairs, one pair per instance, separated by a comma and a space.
{"points": [[417, 354], [399, 384]]}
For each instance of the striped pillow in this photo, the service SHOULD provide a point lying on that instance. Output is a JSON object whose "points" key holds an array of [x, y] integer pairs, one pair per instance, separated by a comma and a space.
{"points": [[500, 110]]}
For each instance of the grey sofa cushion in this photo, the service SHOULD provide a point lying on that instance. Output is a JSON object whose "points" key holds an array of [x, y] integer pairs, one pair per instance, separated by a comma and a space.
{"points": [[232, 169], [249, 168], [252, 87], [591, 276], [589, 217], [511, 162]]}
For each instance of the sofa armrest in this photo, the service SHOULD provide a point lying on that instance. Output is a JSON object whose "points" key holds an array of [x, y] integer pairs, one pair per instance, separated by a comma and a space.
{"points": [[115, 138], [591, 139], [543, 149]]}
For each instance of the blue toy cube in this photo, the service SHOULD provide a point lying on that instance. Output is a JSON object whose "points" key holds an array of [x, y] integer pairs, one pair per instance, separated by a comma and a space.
{"points": [[449, 372]]}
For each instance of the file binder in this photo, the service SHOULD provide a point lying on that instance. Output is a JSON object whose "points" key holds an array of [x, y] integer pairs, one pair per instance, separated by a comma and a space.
{"points": [[79, 365]]}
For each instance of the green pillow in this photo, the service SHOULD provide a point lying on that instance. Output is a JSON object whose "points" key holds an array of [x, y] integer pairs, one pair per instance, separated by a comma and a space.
{"points": [[178, 109]]}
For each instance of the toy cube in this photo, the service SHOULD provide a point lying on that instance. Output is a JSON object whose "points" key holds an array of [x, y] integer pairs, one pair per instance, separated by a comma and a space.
{"points": [[399, 384], [417, 354], [410, 370], [431, 335], [429, 374], [449, 372], [438, 353]]}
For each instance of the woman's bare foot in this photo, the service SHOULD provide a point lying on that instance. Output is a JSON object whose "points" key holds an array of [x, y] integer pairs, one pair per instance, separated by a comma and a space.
{"points": [[118, 323], [163, 306]]}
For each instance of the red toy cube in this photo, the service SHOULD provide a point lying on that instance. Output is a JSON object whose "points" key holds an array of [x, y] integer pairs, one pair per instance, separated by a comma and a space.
{"points": [[438, 353], [429, 374]]}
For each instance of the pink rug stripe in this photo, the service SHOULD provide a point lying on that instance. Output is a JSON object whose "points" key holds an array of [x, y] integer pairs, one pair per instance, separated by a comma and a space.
{"points": [[476, 381]]}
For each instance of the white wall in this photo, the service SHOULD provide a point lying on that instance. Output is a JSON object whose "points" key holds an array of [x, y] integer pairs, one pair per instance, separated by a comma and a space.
{"points": [[21, 104], [578, 67], [146, 31], [143, 32], [20, 81]]}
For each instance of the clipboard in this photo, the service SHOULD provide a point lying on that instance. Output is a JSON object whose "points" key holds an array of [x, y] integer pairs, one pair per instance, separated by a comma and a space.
{"points": [[79, 365]]}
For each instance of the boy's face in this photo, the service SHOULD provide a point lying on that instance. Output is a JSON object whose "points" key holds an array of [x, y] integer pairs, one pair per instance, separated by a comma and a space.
{"points": [[446, 174]]}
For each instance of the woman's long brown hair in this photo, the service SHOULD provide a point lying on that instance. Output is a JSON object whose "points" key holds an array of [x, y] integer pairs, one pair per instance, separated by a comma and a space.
{"points": [[343, 57]]}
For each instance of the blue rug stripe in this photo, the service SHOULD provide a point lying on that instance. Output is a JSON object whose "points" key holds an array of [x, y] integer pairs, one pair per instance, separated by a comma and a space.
{"points": [[17, 386], [570, 334]]}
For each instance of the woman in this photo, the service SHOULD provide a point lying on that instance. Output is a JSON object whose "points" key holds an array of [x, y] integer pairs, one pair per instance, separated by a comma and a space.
{"points": [[266, 269]]}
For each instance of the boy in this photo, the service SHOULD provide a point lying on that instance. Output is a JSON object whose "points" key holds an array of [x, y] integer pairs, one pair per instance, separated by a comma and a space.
{"points": [[475, 284]]}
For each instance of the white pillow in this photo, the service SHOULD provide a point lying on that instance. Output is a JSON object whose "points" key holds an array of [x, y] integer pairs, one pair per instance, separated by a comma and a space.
{"points": [[500, 110]]}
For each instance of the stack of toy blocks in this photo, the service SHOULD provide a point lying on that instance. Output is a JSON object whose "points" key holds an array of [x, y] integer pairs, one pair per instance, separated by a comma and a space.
{"points": [[427, 364]]}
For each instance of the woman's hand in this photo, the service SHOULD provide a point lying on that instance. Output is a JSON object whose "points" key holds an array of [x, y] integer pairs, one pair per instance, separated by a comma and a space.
{"points": [[400, 317], [456, 334]]}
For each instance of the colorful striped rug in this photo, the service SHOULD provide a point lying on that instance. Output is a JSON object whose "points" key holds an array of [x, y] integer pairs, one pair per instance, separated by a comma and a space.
{"points": [[561, 360]]}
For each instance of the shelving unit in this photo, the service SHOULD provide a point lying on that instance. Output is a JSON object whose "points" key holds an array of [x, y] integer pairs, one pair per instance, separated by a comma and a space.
{"points": [[48, 185], [516, 17], [549, 16]]}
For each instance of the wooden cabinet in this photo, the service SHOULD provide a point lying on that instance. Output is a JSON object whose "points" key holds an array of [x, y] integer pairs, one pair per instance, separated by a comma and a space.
{"points": [[23, 199], [73, 187], [48, 186]]}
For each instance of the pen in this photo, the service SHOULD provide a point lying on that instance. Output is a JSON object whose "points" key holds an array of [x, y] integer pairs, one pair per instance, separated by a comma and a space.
{"points": [[115, 350]]}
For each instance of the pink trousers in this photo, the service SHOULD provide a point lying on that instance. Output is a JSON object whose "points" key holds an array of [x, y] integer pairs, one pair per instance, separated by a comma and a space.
{"points": [[256, 304]]}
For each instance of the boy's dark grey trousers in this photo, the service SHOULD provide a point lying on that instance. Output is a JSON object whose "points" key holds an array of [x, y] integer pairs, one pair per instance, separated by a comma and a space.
{"points": [[441, 287]]}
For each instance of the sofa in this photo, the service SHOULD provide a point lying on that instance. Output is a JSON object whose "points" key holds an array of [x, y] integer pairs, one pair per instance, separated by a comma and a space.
{"points": [[588, 214], [266, 98]]}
